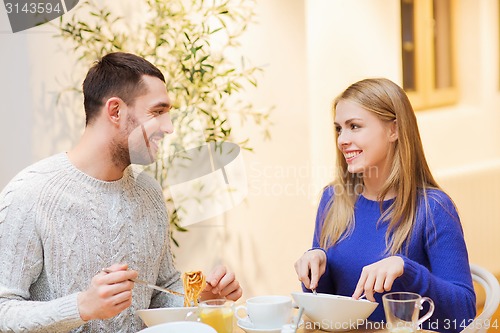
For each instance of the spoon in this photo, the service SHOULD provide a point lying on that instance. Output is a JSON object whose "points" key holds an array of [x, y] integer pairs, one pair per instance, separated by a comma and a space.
{"points": [[297, 319]]}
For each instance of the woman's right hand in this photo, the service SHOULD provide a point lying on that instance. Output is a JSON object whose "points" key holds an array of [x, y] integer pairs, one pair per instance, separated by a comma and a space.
{"points": [[310, 267]]}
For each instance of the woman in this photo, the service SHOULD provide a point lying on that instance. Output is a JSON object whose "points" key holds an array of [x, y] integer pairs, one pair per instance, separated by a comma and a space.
{"points": [[384, 224]]}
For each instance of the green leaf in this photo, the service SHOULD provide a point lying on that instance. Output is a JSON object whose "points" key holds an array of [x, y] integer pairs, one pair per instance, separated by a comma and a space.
{"points": [[203, 59]]}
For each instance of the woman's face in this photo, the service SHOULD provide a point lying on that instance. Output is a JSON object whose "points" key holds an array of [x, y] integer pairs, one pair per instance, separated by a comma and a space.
{"points": [[364, 140]]}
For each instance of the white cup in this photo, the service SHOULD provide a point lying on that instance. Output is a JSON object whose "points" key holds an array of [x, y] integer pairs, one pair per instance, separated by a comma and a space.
{"points": [[268, 312]]}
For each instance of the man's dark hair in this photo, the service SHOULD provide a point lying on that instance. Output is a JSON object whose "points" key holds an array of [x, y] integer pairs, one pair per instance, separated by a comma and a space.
{"points": [[117, 74]]}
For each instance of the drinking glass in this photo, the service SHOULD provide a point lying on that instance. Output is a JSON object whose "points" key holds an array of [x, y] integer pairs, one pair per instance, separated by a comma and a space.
{"points": [[402, 310]]}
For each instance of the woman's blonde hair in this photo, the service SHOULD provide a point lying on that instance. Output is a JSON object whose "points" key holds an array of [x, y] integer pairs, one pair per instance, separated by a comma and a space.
{"points": [[409, 173]]}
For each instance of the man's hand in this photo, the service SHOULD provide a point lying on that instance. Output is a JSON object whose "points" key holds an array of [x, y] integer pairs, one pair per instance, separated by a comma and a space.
{"points": [[221, 284], [108, 294]]}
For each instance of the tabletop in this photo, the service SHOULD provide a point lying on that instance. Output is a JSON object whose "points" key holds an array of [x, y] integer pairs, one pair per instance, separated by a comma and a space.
{"points": [[369, 327]]}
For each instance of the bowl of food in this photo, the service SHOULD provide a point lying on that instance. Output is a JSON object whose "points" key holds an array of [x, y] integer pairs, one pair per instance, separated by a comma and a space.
{"points": [[152, 317], [332, 312]]}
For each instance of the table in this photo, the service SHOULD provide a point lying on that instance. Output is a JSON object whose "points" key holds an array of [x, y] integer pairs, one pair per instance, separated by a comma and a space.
{"points": [[357, 330], [308, 327]]}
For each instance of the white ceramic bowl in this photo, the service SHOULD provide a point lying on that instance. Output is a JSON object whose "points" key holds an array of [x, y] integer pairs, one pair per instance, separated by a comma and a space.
{"points": [[333, 312], [179, 327], [152, 317]]}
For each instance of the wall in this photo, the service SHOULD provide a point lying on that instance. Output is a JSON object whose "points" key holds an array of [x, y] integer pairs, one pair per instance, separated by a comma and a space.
{"points": [[263, 237], [469, 173], [16, 108], [34, 70], [347, 41]]}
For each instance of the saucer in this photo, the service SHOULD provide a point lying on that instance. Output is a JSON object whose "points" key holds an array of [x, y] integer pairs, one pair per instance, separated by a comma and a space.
{"points": [[245, 326]]}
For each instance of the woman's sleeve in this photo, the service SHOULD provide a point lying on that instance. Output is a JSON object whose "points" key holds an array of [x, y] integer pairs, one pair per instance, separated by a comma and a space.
{"points": [[325, 283], [448, 280]]}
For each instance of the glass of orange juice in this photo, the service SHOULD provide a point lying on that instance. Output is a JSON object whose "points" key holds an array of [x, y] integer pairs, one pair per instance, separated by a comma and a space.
{"points": [[218, 313]]}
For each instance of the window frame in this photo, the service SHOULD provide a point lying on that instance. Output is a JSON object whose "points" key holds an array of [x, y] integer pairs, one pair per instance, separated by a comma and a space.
{"points": [[426, 95]]}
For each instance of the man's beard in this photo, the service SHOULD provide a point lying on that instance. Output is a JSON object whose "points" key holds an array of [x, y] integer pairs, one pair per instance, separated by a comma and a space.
{"points": [[132, 146]]}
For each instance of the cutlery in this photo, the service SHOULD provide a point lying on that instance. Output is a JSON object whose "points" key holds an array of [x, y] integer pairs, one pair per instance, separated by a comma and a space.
{"points": [[361, 297], [150, 285], [297, 319]]}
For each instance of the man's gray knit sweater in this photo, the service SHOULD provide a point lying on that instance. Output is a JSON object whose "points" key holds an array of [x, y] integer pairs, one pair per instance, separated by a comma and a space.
{"points": [[59, 227]]}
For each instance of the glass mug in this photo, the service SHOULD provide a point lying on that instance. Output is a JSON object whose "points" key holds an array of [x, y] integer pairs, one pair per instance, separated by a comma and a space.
{"points": [[402, 310], [217, 313]]}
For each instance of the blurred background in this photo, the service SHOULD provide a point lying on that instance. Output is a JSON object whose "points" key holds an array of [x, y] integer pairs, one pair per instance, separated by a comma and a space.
{"points": [[444, 52]]}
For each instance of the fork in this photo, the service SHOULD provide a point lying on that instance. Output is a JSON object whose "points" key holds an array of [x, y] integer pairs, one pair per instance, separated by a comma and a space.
{"points": [[150, 285]]}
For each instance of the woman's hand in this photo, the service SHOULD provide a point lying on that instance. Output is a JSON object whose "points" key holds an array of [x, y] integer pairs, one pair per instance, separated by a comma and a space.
{"points": [[310, 267], [221, 284], [379, 277], [108, 294]]}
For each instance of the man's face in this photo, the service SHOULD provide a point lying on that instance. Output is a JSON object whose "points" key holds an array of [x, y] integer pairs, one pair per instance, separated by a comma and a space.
{"points": [[147, 121]]}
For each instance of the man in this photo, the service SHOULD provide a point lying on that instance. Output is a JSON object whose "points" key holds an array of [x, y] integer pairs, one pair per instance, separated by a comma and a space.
{"points": [[76, 227]]}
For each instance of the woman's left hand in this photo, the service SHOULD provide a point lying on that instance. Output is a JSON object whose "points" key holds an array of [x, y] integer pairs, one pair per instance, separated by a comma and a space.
{"points": [[221, 284], [379, 277]]}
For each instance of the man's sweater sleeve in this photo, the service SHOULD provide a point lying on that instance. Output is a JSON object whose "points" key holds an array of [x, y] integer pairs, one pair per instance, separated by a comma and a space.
{"points": [[21, 262]]}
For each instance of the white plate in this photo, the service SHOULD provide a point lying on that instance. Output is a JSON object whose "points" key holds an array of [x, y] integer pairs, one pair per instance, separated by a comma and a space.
{"points": [[179, 327]]}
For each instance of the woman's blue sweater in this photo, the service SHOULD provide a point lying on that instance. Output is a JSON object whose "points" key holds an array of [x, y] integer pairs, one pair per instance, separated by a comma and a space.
{"points": [[435, 263]]}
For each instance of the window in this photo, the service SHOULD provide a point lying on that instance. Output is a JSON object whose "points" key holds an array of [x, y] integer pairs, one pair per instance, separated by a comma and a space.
{"points": [[427, 52]]}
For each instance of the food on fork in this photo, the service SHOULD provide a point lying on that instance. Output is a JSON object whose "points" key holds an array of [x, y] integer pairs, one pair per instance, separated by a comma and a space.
{"points": [[194, 283]]}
